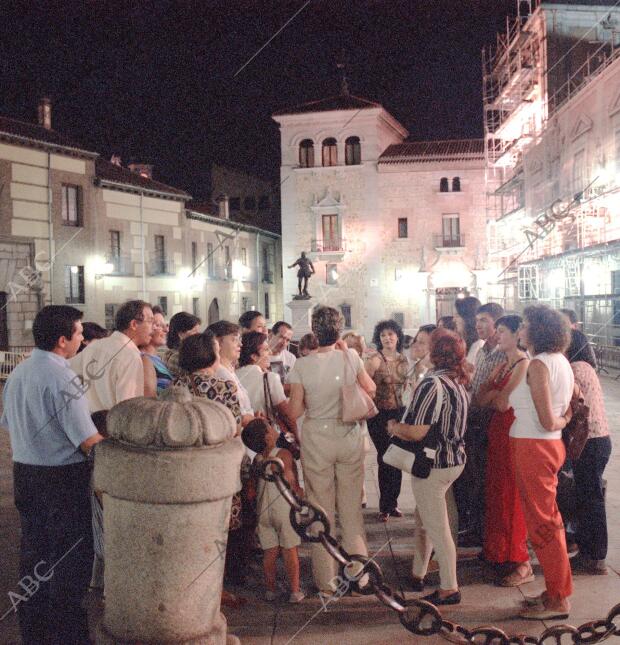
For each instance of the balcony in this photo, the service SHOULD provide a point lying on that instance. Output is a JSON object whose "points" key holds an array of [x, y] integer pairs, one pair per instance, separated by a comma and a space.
{"points": [[268, 277], [161, 267], [448, 243], [122, 265], [329, 249]]}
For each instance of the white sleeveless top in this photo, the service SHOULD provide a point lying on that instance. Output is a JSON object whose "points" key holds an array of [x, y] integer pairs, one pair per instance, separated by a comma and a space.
{"points": [[526, 424]]}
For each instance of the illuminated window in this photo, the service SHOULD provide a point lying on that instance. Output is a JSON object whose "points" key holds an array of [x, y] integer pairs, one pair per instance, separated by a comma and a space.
{"points": [[443, 185], [451, 230], [71, 205], [330, 152], [163, 303], [331, 274], [352, 151], [115, 250], [159, 264], [74, 284], [196, 307], [306, 153], [243, 256], [194, 255], [456, 184]]}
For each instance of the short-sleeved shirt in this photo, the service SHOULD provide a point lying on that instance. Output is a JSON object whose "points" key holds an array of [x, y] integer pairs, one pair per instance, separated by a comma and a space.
{"points": [[46, 412], [242, 394], [486, 361], [213, 388], [452, 420], [590, 386], [112, 368], [282, 364], [252, 377], [322, 375]]}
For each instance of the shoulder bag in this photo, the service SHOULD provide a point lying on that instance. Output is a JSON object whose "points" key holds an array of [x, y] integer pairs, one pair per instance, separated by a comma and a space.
{"points": [[417, 457], [356, 404], [576, 433]]}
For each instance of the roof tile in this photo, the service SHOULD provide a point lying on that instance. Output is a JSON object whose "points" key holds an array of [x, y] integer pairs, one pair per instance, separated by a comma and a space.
{"points": [[427, 151], [37, 134], [337, 102]]}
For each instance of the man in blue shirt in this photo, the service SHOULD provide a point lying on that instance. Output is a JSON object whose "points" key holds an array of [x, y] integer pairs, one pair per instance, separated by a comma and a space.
{"points": [[51, 435]]}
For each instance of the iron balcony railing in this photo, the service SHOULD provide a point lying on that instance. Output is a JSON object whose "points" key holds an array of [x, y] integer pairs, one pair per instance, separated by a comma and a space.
{"points": [[448, 241]]}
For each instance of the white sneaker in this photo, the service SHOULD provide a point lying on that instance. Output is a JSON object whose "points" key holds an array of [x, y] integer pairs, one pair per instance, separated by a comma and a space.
{"points": [[296, 597]]}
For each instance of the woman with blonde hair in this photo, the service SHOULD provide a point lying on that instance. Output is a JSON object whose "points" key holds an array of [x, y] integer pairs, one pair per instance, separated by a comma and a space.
{"points": [[332, 451]]}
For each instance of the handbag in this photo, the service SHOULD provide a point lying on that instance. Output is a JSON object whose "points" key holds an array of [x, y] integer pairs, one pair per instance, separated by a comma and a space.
{"points": [[356, 404], [417, 457], [576, 432], [286, 439]]}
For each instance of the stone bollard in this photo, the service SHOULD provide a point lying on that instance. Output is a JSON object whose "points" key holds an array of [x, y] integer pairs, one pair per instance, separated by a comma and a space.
{"points": [[168, 474]]}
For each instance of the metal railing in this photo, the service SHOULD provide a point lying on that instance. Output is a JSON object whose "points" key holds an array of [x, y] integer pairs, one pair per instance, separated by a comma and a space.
{"points": [[160, 266], [448, 241], [8, 362], [329, 245], [122, 265]]}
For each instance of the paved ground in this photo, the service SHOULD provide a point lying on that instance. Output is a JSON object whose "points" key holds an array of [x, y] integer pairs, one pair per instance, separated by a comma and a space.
{"points": [[364, 621]]}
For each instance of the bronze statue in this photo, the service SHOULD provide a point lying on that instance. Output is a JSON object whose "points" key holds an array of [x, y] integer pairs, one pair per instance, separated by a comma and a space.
{"points": [[306, 269]]}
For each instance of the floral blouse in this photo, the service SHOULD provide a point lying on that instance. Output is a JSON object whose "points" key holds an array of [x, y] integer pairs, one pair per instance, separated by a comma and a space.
{"points": [[215, 389], [592, 394], [390, 378]]}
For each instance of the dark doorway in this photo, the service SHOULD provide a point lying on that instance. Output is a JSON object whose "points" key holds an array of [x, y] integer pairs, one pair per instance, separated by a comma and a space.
{"points": [[214, 312]]}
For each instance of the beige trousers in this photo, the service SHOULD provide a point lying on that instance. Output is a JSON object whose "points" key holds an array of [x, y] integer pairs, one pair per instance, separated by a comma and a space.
{"points": [[332, 458], [433, 526]]}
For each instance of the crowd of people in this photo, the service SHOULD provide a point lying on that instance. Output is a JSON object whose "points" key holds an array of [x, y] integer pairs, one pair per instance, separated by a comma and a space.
{"points": [[481, 399]]}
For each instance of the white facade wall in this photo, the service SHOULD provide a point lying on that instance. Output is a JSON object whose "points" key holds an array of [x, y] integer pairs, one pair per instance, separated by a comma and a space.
{"points": [[379, 275]]}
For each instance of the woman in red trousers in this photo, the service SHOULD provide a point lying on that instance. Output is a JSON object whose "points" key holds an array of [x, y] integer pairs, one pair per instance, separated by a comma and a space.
{"points": [[505, 532]]}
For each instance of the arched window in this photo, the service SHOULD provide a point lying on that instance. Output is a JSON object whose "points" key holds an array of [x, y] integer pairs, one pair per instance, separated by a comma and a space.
{"points": [[353, 152], [306, 153], [330, 152], [443, 185], [456, 184]]}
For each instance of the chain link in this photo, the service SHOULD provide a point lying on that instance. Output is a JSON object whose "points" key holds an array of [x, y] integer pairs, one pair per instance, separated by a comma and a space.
{"points": [[420, 617]]}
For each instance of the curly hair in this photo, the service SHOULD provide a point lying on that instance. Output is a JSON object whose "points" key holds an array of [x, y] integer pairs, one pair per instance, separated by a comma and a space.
{"points": [[250, 345], [327, 324], [548, 330], [391, 325], [309, 342], [448, 353]]}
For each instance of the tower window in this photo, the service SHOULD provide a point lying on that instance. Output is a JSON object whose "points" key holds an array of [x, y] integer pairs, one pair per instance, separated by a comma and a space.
{"points": [[443, 185], [306, 153], [330, 152], [456, 184], [353, 152]]}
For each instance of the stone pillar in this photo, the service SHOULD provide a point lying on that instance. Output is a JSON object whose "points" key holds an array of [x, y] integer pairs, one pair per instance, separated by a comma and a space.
{"points": [[168, 474], [301, 316]]}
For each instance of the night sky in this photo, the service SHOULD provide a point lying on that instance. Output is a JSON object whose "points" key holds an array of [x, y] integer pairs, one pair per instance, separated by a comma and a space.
{"points": [[155, 81]]}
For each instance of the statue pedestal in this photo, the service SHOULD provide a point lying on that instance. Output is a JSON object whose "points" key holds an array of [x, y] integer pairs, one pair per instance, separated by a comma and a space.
{"points": [[301, 311]]}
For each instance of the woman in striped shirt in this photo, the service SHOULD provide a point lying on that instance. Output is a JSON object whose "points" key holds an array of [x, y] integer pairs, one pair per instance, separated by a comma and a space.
{"points": [[432, 526]]}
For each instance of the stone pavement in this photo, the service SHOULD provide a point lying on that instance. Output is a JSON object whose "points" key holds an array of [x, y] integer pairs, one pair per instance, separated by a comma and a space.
{"points": [[363, 620]]}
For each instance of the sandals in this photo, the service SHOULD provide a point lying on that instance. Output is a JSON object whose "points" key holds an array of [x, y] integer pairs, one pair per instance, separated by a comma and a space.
{"points": [[521, 575]]}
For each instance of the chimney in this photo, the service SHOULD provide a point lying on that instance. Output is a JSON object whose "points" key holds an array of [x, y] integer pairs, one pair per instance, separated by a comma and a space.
{"points": [[224, 211], [45, 113], [116, 160], [142, 169]]}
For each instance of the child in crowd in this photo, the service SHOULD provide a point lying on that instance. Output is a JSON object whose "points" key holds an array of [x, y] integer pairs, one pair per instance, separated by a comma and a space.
{"points": [[274, 526]]}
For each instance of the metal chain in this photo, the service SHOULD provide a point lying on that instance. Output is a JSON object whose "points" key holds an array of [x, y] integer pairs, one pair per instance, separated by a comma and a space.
{"points": [[420, 617]]}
